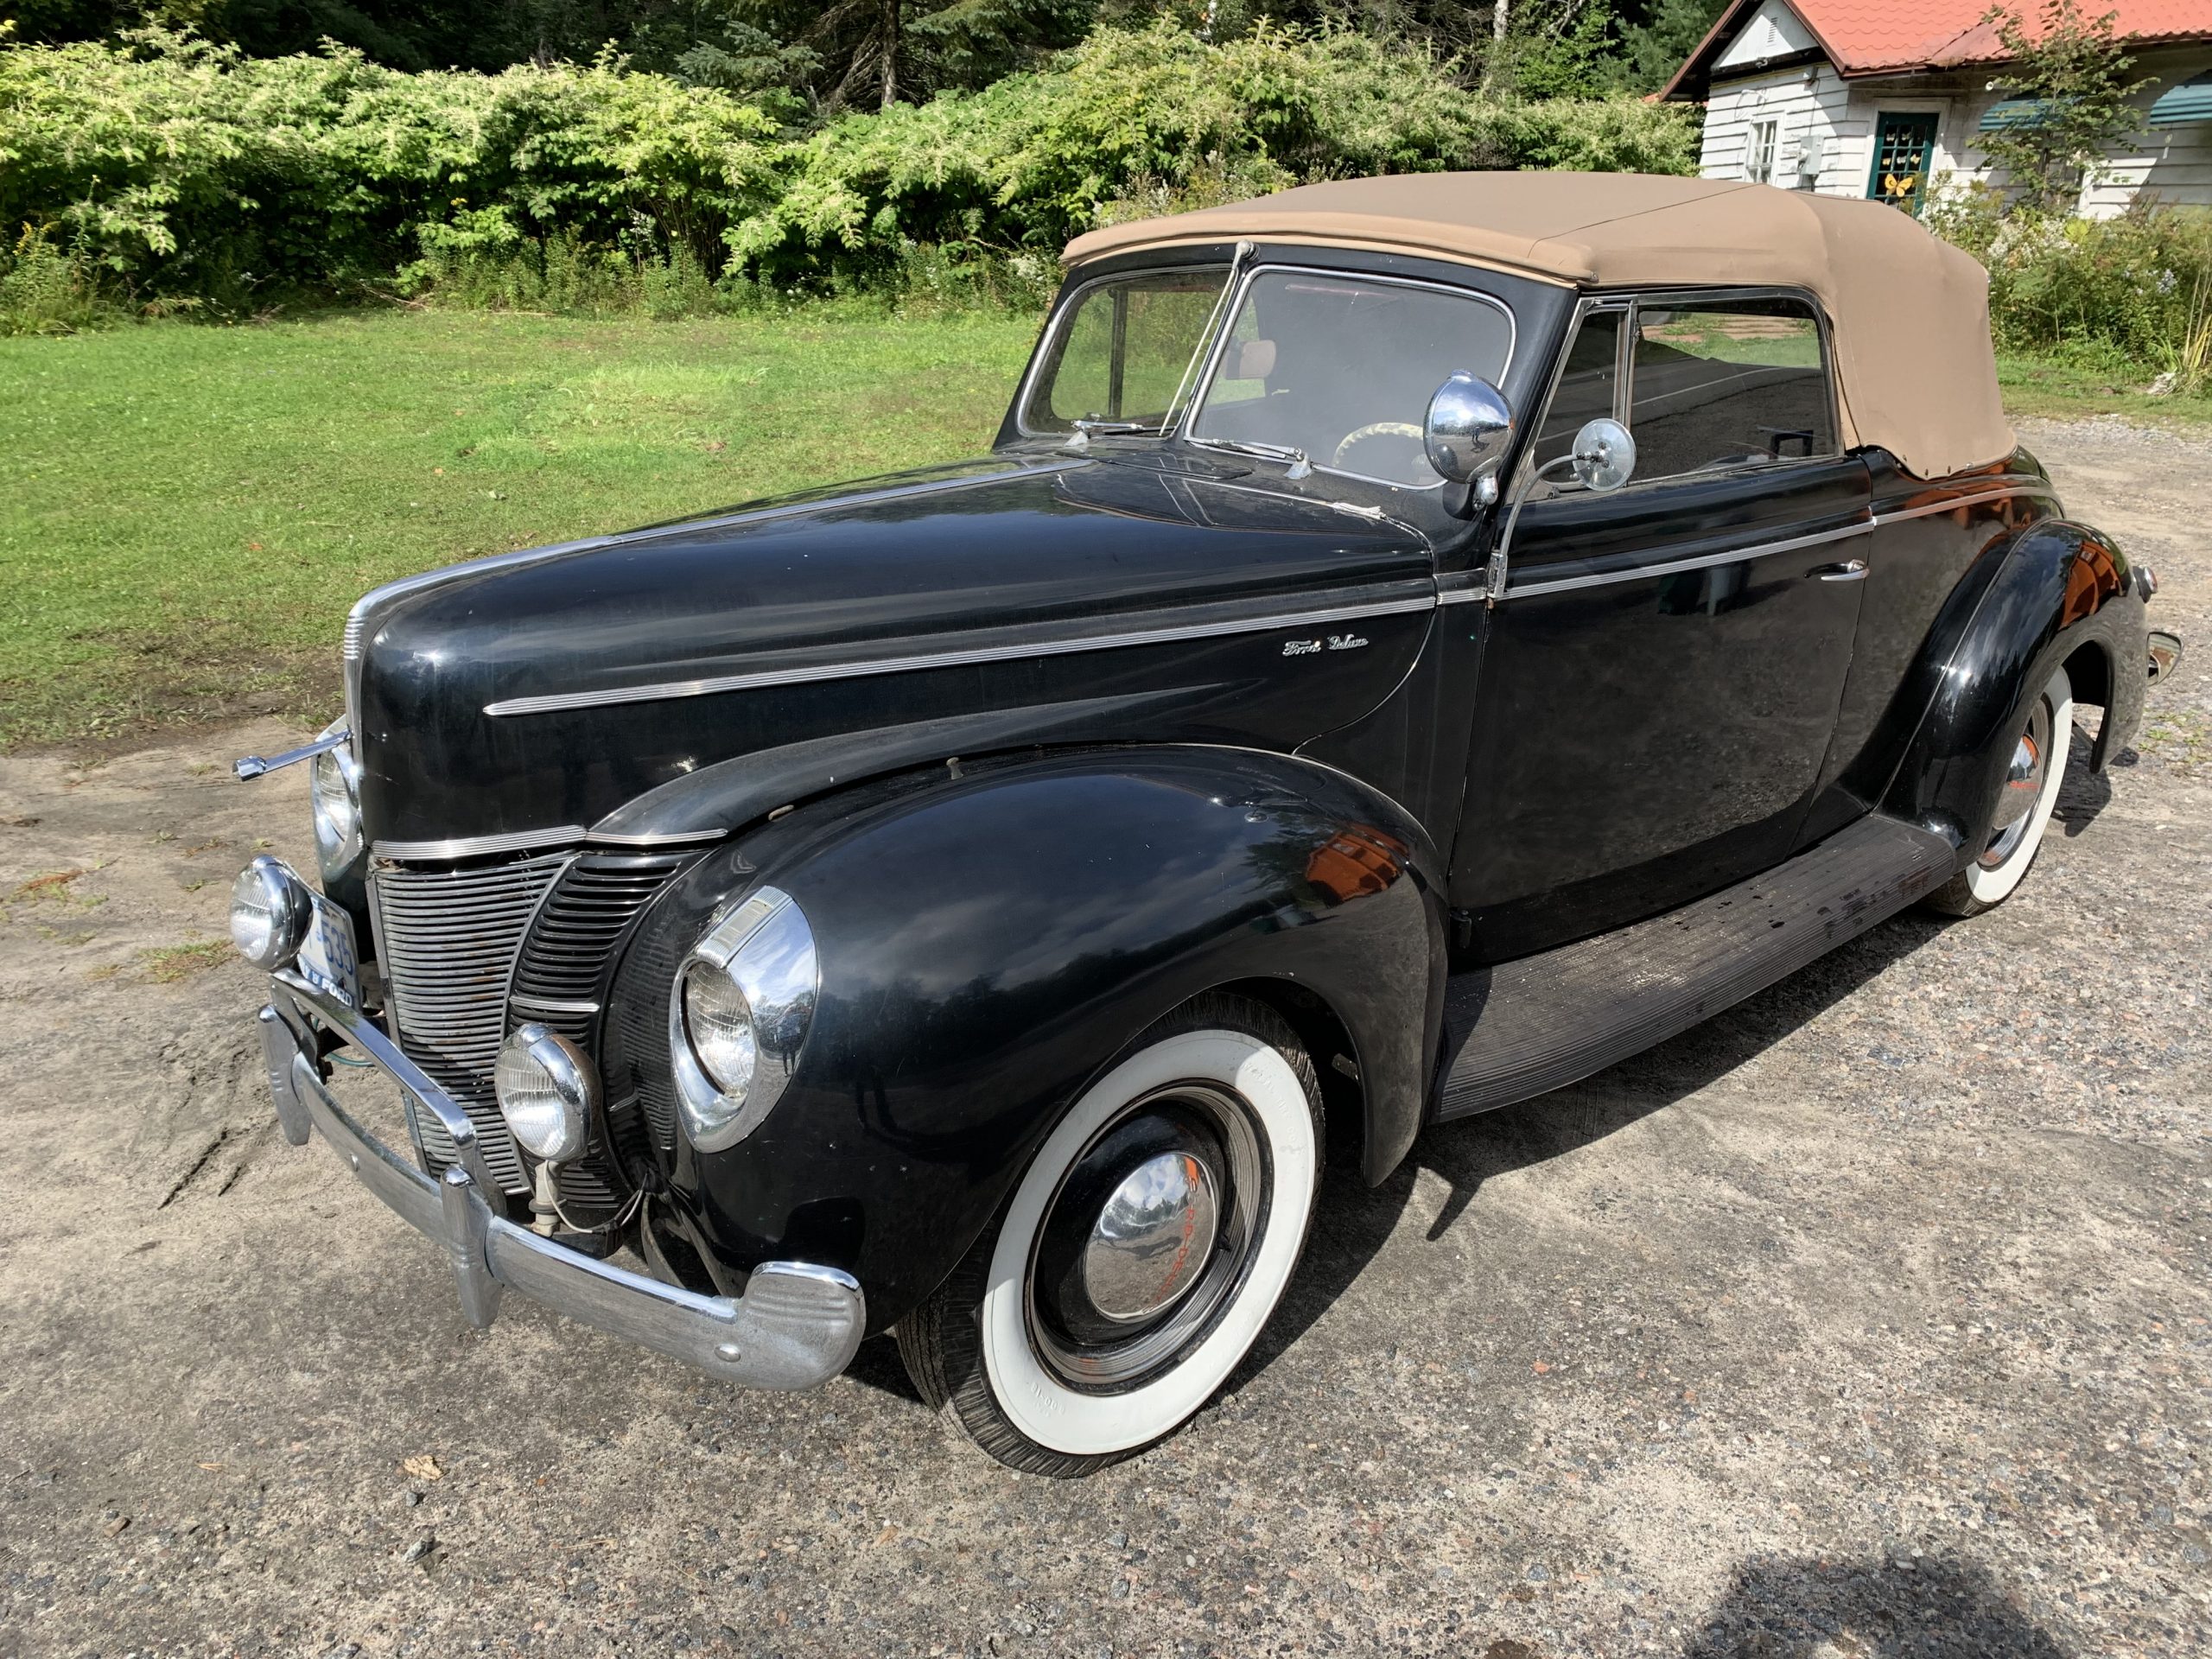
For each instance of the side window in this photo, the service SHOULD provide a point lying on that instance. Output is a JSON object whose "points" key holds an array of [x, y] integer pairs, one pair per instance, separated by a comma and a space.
{"points": [[1125, 350], [1585, 385], [1727, 383]]}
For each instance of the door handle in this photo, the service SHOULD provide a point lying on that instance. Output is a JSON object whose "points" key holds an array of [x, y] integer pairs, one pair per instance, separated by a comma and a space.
{"points": [[1849, 570]]}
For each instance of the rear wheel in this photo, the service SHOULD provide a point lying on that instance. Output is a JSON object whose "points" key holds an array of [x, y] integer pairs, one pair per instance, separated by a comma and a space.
{"points": [[2033, 774], [1141, 1253]]}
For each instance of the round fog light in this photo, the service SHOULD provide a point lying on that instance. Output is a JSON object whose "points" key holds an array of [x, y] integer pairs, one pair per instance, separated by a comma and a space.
{"points": [[268, 913], [546, 1088]]}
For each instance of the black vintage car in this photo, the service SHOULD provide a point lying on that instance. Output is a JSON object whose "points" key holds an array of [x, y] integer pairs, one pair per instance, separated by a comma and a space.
{"points": [[1415, 642]]}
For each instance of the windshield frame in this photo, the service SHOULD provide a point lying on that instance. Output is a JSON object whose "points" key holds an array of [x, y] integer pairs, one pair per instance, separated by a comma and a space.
{"points": [[1054, 340], [1217, 350]]}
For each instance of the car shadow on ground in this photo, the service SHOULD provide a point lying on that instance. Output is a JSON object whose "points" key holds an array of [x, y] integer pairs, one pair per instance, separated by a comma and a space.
{"points": [[1800, 1607], [1353, 1222], [2083, 793], [1470, 1151]]}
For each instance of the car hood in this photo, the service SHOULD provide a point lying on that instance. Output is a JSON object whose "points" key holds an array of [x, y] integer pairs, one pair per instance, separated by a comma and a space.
{"points": [[1071, 599]]}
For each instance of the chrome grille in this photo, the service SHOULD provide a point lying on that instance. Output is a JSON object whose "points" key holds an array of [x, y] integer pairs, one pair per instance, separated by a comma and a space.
{"points": [[448, 939], [572, 943], [561, 983]]}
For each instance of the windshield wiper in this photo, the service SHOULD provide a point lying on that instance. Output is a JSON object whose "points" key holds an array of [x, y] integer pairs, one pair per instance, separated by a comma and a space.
{"points": [[1079, 439], [1299, 466]]}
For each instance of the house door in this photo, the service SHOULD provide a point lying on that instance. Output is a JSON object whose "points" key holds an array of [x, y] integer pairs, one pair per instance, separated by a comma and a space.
{"points": [[1902, 146]]}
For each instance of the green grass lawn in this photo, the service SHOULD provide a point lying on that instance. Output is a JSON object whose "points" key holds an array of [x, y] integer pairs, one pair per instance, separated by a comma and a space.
{"points": [[186, 511], [2037, 389]]}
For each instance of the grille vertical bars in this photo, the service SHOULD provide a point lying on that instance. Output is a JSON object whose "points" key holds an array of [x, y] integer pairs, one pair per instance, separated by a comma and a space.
{"points": [[449, 939]]}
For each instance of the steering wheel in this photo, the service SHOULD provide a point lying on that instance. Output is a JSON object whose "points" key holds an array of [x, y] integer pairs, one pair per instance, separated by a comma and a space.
{"points": [[1375, 430]]}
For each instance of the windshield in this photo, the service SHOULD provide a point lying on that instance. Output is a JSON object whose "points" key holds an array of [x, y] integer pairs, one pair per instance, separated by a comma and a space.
{"points": [[1125, 351], [1341, 369]]}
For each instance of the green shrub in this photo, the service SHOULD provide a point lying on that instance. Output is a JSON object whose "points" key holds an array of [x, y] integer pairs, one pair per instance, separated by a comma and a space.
{"points": [[2116, 294], [173, 170], [1159, 119], [177, 167], [45, 289]]}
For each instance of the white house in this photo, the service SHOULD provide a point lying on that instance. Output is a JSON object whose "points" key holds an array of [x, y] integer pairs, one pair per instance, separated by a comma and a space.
{"points": [[1878, 97]]}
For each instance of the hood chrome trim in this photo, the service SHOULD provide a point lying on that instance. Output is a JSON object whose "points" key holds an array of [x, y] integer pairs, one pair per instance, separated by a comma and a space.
{"points": [[517, 841], [556, 702], [669, 838], [351, 642]]}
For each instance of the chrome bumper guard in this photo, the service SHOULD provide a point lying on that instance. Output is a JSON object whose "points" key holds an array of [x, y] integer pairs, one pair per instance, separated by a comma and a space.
{"points": [[796, 1326]]}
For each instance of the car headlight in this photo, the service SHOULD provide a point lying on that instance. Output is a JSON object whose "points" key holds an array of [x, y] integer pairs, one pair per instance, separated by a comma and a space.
{"points": [[547, 1088], [737, 1016], [334, 787], [269, 910]]}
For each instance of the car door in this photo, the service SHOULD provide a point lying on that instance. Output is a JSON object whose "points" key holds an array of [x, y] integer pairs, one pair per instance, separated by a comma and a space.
{"points": [[1658, 682]]}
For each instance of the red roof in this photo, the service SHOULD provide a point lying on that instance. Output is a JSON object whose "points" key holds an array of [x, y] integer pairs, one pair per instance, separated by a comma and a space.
{"points": [[1867, 37]]}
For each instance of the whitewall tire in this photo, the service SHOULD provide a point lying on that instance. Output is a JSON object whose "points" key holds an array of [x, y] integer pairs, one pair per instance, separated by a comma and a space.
{"points": [[1141, 1253], [2036, 770]]}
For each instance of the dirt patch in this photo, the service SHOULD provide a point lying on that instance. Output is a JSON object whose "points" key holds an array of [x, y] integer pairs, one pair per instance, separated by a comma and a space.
{"points": [[1870, 1318], [153, 690]]}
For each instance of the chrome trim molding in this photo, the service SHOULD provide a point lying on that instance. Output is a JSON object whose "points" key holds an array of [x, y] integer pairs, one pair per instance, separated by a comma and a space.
{"points": [[565, 700], [1927, 510], [672, 838], [1460, 589], [1669, 567], [352, 641], [1472, 589], [552, 1005], [797, 1325], [518, 841]]}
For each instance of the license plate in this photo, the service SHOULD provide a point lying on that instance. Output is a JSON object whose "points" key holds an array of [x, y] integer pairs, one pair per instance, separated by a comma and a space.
{"points": [[326, 959]]}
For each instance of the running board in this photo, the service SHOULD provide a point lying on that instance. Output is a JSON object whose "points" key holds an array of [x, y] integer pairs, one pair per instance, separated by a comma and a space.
{"points": [[1522, 1027]]}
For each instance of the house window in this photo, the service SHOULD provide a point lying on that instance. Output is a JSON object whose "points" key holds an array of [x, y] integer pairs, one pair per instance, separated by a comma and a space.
{"points": [[1903, 147], [1758, 151]]}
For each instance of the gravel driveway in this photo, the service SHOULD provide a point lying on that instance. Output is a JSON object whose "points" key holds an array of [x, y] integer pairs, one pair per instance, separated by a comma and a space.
{"points": [[1870, 1319]]}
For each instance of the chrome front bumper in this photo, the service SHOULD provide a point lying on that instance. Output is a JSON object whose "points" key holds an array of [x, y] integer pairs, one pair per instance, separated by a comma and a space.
{"points": [[796, 1326]]}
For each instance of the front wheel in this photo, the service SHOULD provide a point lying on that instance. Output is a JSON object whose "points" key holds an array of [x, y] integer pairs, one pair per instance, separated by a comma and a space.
{"points": [[2033, 773], [1141, 1253]]}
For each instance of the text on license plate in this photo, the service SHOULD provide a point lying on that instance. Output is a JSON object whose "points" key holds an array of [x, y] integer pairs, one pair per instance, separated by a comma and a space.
{"points": [[326, 959]]}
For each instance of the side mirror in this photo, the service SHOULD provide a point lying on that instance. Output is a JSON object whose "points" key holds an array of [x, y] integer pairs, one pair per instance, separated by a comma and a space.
{"points": [[1604, 456], [1469, 426]]}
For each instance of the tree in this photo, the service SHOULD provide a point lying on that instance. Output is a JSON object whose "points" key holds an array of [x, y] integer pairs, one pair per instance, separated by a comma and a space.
{"points": [[855, 52], [1669, 34], [2072, 73]]}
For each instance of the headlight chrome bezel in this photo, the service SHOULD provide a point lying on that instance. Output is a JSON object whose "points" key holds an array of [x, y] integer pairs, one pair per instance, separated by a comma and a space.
{"points": [[337, 825], [764, 950], [282, 897], [567, 1075]]}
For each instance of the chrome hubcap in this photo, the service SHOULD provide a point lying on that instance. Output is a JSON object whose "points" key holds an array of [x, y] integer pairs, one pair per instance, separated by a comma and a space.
{"points": [[1152, 1237], [2023, 782], [1148, 1238]]}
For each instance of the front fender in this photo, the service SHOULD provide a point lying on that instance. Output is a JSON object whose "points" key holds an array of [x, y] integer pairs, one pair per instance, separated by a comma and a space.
{"points": [[2046, 592], [989, 943]]}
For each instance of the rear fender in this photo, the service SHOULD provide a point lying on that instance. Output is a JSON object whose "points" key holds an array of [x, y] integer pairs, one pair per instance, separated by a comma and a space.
{"points": [[989, 943], [2029, 603]]}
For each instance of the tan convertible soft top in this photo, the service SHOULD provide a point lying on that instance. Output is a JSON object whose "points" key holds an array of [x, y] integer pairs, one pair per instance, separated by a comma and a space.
{"points": [[1909, 313]]}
